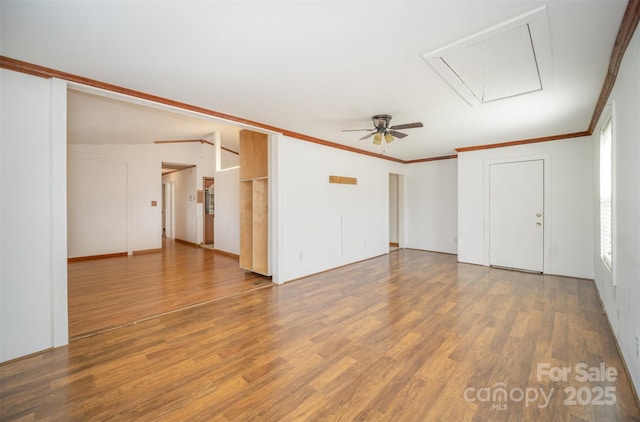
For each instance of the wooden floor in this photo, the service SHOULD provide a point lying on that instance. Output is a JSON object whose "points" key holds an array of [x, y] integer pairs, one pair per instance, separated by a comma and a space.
{"points": [[409, 336], [112, 292]]}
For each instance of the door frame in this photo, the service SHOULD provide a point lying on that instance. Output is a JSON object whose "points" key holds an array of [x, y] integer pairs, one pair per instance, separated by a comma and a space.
{"points": [[546, 158], [169, 206], [401, 209], [204, 210]]}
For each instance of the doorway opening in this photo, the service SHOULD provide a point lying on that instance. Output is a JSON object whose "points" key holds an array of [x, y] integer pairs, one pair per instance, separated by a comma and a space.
{"points": [[159, 222], [179, 220], [394, 211], [208, 238], [168, 210]]}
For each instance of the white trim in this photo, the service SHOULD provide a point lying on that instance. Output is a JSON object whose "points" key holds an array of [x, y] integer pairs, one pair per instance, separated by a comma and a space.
{"points": [[401, 208], [608, 114], [275, 215], [58, 247], [402, 216]]}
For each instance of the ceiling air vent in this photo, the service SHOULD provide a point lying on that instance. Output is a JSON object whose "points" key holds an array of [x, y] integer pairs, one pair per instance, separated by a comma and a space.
{"points": [[509, 59]]}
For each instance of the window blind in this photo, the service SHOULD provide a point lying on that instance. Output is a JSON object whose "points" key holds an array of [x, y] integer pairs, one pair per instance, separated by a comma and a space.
{"points": [[605, 194]]}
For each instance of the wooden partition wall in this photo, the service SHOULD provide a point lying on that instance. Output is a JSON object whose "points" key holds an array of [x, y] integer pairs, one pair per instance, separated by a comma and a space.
{"points": [[254, 202]]}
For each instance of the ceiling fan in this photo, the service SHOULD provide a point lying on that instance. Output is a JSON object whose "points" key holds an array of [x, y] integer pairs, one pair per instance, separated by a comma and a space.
{"points": [[382, 129]]}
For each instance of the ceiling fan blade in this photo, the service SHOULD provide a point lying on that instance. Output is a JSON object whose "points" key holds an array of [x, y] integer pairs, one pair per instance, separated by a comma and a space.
{"points": [[397, 134], [407, 125], [357, 130], [367, 136]]}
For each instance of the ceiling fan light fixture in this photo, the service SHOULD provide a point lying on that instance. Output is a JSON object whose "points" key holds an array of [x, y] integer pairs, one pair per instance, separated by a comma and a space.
{"points": [[381, 129]]}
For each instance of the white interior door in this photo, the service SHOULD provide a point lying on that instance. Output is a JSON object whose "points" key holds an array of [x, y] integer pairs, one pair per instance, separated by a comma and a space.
{"points": [[516, 205]]}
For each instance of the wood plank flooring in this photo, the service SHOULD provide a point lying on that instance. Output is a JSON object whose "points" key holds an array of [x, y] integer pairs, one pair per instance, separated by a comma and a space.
{"points": [[409, 336], [112, 292]]}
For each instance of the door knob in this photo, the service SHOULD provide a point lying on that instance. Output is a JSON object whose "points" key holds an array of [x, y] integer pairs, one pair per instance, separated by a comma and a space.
{"points": [[538, 223], [538, 215]]}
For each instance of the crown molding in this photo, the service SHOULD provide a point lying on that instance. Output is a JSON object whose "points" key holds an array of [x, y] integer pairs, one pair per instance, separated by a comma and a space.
{"points": [[45, 72], [424, 160], [202, 141], [627, 28], [180, 141], [525, 141]]}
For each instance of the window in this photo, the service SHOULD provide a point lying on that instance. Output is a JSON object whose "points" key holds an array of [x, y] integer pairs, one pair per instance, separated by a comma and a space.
{"points": [[605, 193]]}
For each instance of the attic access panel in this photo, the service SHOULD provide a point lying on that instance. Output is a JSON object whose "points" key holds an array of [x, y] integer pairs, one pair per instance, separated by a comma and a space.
{"points": [[500, 67], [507, 60]]}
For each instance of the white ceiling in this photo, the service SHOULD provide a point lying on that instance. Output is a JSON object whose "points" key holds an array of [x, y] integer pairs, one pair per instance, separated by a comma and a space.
{"points": [[310, 67], [97, 119]]}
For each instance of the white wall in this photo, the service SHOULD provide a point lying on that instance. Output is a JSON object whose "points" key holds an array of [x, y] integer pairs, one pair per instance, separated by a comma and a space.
{"points": [[228, 159], [621, 301], [97, 207], [432, 206], [33, 277], [325, 225], [568, 198], [227, 217], [144, 185]]}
